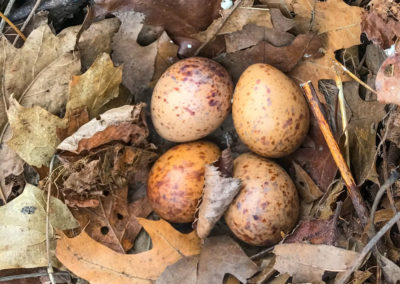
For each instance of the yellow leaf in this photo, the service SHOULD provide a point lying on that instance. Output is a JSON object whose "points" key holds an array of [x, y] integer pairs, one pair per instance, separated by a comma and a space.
{"points": [[96, 87], [98, 264], [34, 133]]}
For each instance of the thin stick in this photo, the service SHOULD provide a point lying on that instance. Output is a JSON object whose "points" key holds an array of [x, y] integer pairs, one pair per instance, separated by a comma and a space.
{"points": [[6, 13], [346, 276], [28, 19], [30, 275], [388, 183], [354, 77], [221, 24], [343, 113], [13, 26], [351, 186], [50, 270]]}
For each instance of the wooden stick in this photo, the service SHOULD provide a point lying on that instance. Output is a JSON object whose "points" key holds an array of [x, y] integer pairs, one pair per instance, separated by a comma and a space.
{"points": [[13, 26], [352, 188]]}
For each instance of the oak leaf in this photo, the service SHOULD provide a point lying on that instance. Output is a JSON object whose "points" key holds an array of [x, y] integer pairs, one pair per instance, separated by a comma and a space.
{"points": [[24, 218], [94, 262]]}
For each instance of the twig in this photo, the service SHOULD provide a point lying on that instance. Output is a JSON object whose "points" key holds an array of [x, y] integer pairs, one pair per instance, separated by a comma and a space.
{"points": [[6, 13], [30, 275], [50, 270], [389, 188], [354, 77], [343, 113], [388, 183], [262, 253], [13, 26], [352, 188], [28, 19], [221, 24], [368, 248]]}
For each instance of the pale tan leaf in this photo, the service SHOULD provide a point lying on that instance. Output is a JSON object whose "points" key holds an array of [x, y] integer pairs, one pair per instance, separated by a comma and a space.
{"points": [[138, 61], [24, 219], [92, 134], [218, 193], [34, 133], [307, 263], [99, 264], [96, 87]]}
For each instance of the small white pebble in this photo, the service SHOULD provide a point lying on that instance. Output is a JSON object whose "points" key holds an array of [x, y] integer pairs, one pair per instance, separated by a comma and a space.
{"points": [[226, 4], [390, 51], [189, 46]]}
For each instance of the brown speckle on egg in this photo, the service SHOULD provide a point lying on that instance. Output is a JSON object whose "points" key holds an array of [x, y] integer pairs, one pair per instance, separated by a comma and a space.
{"points": [[278, 112], [267, 204], [197, 90], [176, 180]]}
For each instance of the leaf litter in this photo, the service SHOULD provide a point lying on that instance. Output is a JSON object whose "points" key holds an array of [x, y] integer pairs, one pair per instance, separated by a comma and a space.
{"points": [[106, 154]]}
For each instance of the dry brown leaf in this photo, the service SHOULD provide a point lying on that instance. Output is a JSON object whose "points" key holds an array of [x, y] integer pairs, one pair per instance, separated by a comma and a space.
{"points": [[218, 194], [111, 222], [34, 133], [335, 32], [315, 231], [138, 61], [284, 58], [308, 190], [125, 123], [166, 55], [95, 40], [242, 16], [391, 270], [382, 22], [94, 262], [315, 157], [35, 129], [307, 263], [364, 118], [95, 88], [44, 63], [179, 19], [219, 255]]}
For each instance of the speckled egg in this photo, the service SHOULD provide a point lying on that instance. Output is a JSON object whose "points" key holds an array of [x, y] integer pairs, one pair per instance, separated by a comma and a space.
{"points": [[176, 180], [267, 204], [269, 112], [191, 99]]}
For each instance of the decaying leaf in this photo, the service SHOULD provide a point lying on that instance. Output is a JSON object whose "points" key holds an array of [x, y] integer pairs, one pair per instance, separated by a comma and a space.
{"points": [[184, 271], [307, 263], [81, 255], [179, 19], [387, 80], [315, 157], [111, 222], [364, 118], [44, 63], [96, 87], [381, 23], [390, 270], [284, 58], [35, 129], [315, 231], [336, 33], [236, 20], [218, 193], [138, 61], [24, 218], [308, 190], [34, 133], [219, 255], [125, 124]]}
